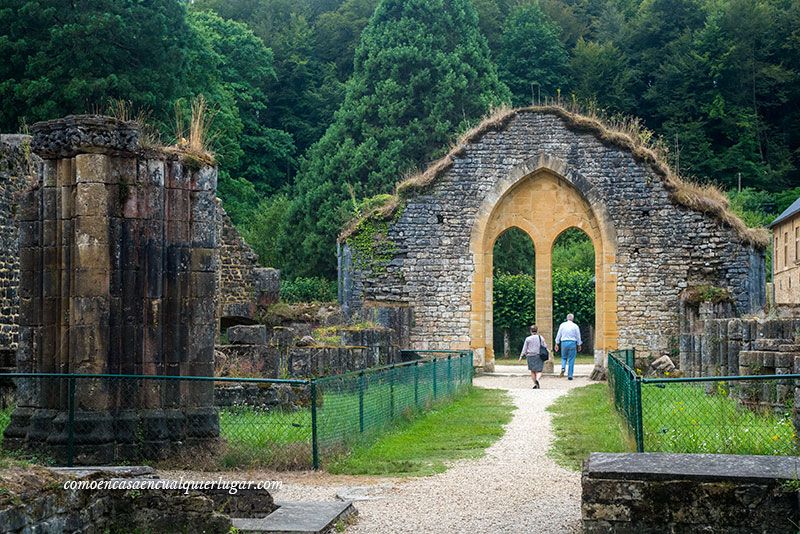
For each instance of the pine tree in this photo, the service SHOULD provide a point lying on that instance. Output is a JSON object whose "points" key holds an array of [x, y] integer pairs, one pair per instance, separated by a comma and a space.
{"points": [[421, 74], [532, 58]]}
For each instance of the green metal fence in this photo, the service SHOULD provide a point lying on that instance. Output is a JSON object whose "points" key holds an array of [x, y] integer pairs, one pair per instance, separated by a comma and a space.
{"points": [[355, 407], [718, 414], [235, 422], [625, 389]]}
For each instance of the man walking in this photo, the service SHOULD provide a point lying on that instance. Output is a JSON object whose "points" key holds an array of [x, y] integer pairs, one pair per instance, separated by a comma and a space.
{"points": [[569, 338]]}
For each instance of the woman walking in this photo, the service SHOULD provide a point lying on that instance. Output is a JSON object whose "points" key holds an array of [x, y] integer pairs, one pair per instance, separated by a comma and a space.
{"points": [[531, 350]]}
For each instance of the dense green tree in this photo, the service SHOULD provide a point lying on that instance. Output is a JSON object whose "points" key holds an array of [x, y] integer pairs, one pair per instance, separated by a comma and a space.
{"points": [[600, 75], [236, 72], [61, 57], [338, 33], [573, 251], [514, 253], [421, 74], [514, 308], [305, 90], [532, 59], [573, 292]]}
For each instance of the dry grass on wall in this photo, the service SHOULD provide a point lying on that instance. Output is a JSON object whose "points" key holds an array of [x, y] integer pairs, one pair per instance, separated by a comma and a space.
{"points": [[626, 133]]}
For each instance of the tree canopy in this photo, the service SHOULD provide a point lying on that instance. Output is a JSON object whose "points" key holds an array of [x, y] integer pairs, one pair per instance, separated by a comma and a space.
{"points": [[421, 74]]}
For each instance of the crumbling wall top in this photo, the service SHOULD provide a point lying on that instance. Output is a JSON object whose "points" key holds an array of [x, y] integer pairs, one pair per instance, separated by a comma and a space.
{"points": [[82, 134]]}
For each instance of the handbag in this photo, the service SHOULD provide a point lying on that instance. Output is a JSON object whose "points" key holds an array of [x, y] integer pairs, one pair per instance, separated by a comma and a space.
{"points": [[544, 354]]}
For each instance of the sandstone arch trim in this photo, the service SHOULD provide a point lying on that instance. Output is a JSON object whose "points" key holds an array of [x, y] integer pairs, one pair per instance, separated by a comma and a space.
{"points": [[542, 179]]}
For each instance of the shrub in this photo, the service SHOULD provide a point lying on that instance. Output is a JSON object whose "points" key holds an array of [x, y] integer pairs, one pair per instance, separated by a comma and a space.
{"points": [[311, 289]]}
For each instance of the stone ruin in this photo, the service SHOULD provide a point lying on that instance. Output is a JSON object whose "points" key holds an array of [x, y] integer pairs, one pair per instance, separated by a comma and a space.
{"points": [[545, 170], [118, 274]]}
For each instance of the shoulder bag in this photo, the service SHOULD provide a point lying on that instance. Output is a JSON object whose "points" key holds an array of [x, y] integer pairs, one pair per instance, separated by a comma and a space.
{"points": [[544, 354]]}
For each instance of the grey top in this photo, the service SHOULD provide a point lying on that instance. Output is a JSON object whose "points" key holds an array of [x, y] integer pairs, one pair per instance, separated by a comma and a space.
{"points": [[532, 345]]}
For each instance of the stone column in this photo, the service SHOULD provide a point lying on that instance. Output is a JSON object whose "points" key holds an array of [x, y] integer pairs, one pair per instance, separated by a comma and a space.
{"points": [[119, 276], [544, 297]]}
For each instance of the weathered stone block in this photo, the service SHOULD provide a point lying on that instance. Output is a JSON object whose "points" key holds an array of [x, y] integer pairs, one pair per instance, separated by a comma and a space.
{"points": [[248, 335]]}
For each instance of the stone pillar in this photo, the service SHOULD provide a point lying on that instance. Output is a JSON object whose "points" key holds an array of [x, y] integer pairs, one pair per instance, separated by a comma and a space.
{"points": [[118, 270], [544, 299]]}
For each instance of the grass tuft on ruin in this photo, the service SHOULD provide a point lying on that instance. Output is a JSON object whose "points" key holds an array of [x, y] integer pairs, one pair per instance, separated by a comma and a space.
{"points": [[626, 133]]}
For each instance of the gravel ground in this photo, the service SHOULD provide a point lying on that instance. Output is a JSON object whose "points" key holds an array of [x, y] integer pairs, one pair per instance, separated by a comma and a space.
{"points": [[515, 487]]}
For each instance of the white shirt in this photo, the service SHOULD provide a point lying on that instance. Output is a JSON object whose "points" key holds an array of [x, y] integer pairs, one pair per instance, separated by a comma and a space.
{"points": [[568, 331]]}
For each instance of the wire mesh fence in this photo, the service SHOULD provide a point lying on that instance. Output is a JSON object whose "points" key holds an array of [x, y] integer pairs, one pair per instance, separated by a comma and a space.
{"points": [[716, 414], [625, 389], [724, 415], [217, 423], [354, 407]]}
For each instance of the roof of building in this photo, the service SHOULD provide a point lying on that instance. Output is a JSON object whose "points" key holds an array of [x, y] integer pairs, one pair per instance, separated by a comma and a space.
{"points": [[791, 210]]}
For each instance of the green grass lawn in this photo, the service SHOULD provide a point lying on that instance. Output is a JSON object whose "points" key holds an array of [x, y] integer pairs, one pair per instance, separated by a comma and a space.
{"points": [[685, 418], [579, 359], [463, 428], [584, 421]]}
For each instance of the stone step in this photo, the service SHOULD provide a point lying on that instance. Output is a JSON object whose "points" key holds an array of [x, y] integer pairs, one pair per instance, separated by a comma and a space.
{"points": [[298, 517]]}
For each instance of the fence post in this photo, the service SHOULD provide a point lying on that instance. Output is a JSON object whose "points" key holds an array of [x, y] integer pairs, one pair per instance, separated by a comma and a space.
{"points": [[391, 392], [361, 387], [416, 384], [449, 375], [314, 433], [71, 422], [433, 367], [638, 415]]}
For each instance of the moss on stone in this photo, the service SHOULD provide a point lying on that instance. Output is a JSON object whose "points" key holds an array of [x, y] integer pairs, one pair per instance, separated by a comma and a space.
{"points": [[706, 293]]}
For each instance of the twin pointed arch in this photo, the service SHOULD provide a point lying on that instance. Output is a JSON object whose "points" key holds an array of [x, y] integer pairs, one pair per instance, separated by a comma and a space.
{"points": [[543, 198]]}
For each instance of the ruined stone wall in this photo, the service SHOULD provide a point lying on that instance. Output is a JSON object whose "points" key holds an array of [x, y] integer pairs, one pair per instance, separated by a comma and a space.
{"points": [[17, 167], [654, 248], [118, 274], [244, 285], [713, 343]]}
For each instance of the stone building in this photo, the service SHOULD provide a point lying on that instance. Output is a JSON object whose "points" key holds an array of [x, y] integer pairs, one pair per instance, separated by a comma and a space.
{"points": [[786, 256], [545, 170]]}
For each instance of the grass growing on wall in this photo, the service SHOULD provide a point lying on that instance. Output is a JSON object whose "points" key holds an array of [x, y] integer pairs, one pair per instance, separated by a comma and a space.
{"points": [[584, 421], [424, 446], [679, 417]]}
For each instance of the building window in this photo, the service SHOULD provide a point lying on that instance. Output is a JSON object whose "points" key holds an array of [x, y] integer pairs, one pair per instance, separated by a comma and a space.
{"points": [[797, 244], [785, 249], [775, 252]]}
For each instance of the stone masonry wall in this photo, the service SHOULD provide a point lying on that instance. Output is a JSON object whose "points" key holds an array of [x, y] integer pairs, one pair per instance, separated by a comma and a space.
{"points": [[660, 248], [17, 167], [244, 285]]}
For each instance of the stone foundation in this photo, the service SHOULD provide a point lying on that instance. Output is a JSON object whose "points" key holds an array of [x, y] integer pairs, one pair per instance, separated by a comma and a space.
{"points": [[35, 500], [654, 492]]}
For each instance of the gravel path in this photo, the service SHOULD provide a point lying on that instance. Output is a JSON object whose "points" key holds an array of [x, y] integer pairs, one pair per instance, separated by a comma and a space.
{"points": [[515, 487]]}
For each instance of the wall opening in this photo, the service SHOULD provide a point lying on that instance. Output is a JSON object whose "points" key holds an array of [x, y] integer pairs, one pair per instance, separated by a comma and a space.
{"points": [[574, 277], [513, 291]]}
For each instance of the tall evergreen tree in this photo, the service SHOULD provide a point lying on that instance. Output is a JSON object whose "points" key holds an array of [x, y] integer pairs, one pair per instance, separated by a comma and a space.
{"points": [[61, 56], [532, 58], [421, 73]]}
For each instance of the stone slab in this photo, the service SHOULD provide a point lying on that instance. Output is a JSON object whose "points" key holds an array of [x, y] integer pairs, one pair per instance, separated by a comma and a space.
{"points": [[297, 518], [115, 471], [706, 467]]}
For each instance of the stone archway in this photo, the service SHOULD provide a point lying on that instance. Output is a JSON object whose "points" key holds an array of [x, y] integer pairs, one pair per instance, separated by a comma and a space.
{"points": [[541, 199], [428, 250]]}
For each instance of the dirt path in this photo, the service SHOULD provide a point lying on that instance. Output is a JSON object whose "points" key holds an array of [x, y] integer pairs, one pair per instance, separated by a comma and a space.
{"points": [[515, 487]]}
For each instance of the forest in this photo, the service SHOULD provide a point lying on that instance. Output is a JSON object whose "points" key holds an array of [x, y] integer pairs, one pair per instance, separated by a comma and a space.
{"points": [[321, 106]]}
